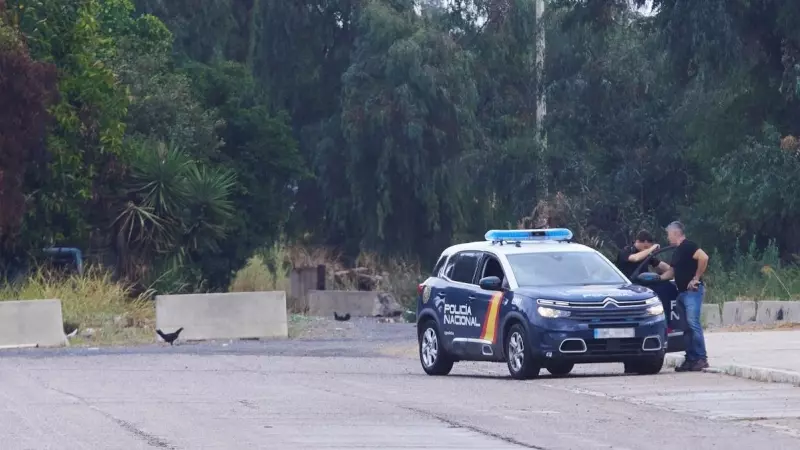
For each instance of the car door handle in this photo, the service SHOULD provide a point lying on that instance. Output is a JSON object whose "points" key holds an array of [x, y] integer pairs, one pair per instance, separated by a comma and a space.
{"points": [[471, 298], [440, 294]]}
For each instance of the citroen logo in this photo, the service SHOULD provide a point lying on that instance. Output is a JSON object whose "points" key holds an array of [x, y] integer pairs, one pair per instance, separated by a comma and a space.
{"points": [[609, 301]]}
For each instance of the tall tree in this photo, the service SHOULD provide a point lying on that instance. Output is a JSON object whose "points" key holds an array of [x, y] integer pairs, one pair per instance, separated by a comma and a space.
{"points": [[408, 118], [27, 88]]}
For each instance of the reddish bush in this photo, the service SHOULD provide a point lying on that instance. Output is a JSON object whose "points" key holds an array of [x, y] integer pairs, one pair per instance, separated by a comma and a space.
{"points": [[26, 89]]}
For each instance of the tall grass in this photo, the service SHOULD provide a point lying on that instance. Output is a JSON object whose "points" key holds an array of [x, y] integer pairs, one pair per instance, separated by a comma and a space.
{"points": [[753, 274], [92, 300]]}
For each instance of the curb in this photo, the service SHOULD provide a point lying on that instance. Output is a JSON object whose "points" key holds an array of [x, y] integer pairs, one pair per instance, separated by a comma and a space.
{"points": [[748, 372]]}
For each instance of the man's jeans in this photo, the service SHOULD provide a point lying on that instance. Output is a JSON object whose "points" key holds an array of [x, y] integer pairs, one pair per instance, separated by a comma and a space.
{"points": [[693, 336]]}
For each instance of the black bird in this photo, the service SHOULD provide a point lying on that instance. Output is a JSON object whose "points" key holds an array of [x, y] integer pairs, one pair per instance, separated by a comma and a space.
{"points": [[169, 337], [343, 318]]}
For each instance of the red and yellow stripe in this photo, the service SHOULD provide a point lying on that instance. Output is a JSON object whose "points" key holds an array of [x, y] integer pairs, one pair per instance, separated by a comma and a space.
{"points": [[492, 318]]}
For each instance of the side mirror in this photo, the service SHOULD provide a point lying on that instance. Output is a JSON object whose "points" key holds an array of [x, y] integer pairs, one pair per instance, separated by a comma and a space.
{"points": [[647, 278], [491, 284]]}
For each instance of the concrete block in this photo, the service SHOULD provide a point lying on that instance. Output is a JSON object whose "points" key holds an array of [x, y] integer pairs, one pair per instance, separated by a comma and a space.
{"points": [[235, 315], [31, 323], [355, 303], [738, 313], [770, 311], [711, 316], [791, 311]]}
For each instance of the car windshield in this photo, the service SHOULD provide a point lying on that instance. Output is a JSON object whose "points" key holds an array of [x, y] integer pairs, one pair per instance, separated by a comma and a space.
{"points": [[563, 268]]}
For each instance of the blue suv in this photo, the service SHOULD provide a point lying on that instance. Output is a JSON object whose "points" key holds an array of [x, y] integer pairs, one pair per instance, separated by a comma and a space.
{"points": [[535, 300]]}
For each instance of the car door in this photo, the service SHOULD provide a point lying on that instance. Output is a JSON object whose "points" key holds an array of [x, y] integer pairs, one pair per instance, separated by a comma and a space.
{"points": [[668, 293], [459, 321], [486, 306]]}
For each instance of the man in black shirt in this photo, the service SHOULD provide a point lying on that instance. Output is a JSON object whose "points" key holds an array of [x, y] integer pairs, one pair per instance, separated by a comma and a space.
{"points": [[631, 256], [689, 263]]}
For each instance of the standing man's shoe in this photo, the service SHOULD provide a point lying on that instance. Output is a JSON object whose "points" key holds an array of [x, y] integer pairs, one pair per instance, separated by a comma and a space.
{"points": [[685, 366], [698, 366]]}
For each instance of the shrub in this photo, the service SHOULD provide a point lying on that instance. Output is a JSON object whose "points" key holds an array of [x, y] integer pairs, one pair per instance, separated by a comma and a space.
{"points": [[92, 300], [753, 273]]}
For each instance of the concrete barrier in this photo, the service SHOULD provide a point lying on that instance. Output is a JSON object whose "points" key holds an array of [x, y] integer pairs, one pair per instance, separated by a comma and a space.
{"points": [[355, 303], [31, 323], [774, 311], [791, 311], [235, 315], [711, 316], [738, 313]]}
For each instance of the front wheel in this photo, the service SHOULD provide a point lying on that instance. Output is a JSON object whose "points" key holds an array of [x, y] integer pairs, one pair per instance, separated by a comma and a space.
{"points": [[559, 369], [434, 359], [521, 363], [649, 366]]}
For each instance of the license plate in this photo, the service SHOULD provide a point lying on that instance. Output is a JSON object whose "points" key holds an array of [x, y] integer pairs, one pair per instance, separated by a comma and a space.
{"points": [[614, 333]]}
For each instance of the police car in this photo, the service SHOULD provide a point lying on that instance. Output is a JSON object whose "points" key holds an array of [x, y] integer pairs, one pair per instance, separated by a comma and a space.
{"points": [[533, 299]]}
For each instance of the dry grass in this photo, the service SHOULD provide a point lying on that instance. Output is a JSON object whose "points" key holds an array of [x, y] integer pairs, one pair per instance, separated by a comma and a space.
{"points": [[102, 309], [256, 276], [269, 269]]}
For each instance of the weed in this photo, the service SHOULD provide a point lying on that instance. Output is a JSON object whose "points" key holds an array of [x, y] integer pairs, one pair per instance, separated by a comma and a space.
{"points": [[92, 301], [753, 274]]}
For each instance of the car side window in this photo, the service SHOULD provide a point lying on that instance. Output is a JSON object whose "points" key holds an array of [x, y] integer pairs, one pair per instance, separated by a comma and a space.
{"points": [[464, 267], [493, 268], [437, 269]]}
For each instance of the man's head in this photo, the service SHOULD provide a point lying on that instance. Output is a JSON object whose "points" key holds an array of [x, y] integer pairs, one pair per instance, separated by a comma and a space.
{"points": [[676, 233], [644, 240]]}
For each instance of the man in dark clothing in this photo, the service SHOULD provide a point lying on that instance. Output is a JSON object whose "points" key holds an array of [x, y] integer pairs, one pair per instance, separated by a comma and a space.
{"points": [[689, 263], [631, 256]]}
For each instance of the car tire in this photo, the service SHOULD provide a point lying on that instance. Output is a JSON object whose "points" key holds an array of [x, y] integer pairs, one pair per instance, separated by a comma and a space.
{"points": [[434, 359], [649, 366], [559, 369], [522, 365]]}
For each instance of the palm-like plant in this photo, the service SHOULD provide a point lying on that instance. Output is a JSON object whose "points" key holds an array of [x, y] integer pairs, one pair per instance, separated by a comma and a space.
{"points": [[175, 207]]}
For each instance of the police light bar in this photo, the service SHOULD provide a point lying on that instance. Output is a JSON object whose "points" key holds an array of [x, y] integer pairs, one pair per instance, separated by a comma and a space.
{"points": [[549, 234]]}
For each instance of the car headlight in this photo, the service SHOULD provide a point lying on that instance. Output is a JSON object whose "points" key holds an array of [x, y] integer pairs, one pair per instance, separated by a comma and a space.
{"points": [[552, 313], [654, 306]]}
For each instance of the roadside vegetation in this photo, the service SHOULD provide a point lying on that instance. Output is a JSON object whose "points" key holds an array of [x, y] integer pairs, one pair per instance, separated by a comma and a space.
{"points": [[103, 311]]}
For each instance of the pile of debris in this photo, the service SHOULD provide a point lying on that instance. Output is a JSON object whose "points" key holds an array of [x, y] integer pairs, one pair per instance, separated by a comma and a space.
{"points": [[359, 278]]}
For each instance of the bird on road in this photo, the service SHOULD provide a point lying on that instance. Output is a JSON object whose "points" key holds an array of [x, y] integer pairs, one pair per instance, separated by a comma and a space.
{"points": [[343, 318], [169, 337]]}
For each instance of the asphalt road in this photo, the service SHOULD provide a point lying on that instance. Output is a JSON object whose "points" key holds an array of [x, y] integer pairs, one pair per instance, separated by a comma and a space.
{"points": [[364, 389]]}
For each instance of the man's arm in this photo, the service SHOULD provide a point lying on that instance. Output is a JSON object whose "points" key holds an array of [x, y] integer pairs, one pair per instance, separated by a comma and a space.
{"points": [[662, 267], [668, 274], [702, 263], [640, 256]]}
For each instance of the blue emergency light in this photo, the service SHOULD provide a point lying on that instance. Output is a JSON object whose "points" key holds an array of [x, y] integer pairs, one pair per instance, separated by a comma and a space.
{"points": [[549, 234]]}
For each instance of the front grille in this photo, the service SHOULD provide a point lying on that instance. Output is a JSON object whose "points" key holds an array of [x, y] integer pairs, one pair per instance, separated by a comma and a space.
{"points": [[614, 346], [608, 311], [604, 304], [608, 315]]}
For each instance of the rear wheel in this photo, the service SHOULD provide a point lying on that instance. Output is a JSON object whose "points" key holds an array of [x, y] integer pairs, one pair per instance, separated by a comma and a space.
{"points": [[434, 359], [559, 369], [649, 366], [521, 363]]}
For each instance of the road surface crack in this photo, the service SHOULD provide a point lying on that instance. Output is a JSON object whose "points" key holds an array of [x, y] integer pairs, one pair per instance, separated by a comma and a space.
{"points": [[455, 424], [149, 439]]}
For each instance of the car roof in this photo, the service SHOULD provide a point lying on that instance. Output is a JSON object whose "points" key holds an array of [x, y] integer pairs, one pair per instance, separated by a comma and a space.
{"points": [[525, 247]]}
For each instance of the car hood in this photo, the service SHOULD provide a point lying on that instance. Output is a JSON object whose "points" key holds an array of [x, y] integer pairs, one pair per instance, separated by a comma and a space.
{"points": [[591, 293]]}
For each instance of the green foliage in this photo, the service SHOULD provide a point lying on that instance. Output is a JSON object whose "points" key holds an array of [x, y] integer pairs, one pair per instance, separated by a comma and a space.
{"points": [[400, 126], [26, 90], [408, 114], [752, 274], [178, 210], [260, 149]]}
